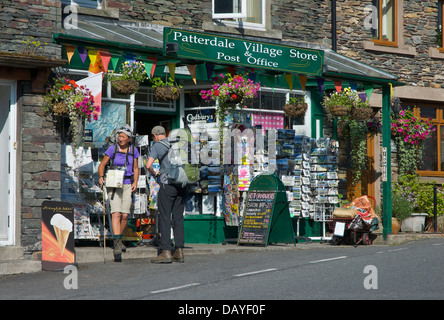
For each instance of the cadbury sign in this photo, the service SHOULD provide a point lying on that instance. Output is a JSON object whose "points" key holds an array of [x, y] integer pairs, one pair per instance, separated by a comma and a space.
{"points": [[238, 51]]}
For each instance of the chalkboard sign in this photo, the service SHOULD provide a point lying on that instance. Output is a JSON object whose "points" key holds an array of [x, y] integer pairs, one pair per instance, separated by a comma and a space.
{"points": [[257, 217], [266, 217]]}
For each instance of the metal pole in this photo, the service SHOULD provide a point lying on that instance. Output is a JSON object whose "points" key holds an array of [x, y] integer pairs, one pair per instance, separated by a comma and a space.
{"points": [[387, 184]]}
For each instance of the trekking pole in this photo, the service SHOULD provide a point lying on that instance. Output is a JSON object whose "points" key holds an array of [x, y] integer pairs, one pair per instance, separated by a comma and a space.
{"points": [[104, 221]]}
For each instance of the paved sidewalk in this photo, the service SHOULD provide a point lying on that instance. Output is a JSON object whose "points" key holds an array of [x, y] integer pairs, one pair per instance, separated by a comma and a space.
{"points": [[86, 254]]}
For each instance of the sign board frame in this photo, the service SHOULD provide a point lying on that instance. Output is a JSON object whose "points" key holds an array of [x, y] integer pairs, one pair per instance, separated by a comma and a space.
{"points": [[276, 222], [242, 52]]}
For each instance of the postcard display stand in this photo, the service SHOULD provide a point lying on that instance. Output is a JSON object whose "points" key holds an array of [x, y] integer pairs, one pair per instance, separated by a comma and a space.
{"points": [[309, 170]]}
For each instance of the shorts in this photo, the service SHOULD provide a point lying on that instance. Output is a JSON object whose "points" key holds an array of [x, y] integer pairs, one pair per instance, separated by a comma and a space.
{"points": [[122, 199]]}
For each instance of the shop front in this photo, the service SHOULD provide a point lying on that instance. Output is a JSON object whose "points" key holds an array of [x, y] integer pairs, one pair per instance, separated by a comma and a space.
{"points": [[302, 150]]}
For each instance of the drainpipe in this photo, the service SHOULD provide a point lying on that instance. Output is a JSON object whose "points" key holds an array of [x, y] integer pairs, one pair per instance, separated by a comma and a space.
{"points": [[333, 25]]}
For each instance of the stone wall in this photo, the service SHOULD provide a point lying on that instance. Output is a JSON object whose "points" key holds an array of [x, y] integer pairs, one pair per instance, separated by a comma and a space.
{"points": [[21, 20], [40, 167]]}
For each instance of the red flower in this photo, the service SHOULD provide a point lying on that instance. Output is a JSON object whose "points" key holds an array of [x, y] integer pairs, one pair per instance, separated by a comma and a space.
{"points": [[216, 93], [234, 96]]}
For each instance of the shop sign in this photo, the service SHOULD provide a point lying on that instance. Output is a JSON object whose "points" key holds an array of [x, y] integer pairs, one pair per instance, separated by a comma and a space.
{"points": [[237, 51], [202, 115]]}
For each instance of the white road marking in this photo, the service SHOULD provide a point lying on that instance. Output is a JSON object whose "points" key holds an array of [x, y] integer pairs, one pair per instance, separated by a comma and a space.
{"points": [[254, 272], [176, 288], [330, 259]]}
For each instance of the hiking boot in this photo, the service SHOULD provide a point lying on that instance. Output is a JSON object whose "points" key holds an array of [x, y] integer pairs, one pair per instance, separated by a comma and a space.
{"points": [[178, 255], [117, 250], [164, 257]]}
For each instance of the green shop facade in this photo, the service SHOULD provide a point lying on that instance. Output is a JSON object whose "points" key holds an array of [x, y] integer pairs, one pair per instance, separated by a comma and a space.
{"points": [[192, 58]]}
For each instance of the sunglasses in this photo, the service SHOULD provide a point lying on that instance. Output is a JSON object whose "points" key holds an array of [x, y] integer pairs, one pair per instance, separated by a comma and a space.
{"points": [[125, 129]]}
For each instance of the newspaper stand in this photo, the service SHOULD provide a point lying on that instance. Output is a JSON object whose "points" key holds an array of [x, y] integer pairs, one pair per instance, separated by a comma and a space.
{"points": [[266, 217]]}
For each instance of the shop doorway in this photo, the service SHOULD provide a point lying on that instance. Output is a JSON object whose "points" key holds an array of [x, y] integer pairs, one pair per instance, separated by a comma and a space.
{"points": [[7, 162], [147, 121]]}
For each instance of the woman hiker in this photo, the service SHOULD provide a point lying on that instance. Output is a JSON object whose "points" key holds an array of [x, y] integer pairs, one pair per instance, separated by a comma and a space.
{"points": [[122, 154]]}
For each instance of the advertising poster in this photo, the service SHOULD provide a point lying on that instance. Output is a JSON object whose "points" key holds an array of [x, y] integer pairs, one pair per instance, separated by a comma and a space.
{"points": [[57, 235]]}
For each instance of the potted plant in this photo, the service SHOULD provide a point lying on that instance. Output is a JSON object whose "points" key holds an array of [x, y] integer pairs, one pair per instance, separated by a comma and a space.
{"points": [[340, 103], [296, 107], [132, 73], [401, 210], [361, 111], [65, 97], [165, 91]]}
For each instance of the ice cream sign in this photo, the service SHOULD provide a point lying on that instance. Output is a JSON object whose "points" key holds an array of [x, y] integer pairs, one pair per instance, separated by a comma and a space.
{"points": [[239, 51], [57, 235]]}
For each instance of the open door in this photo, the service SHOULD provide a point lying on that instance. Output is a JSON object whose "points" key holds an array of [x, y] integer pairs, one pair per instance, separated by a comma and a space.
{"points": [[7, 162]]}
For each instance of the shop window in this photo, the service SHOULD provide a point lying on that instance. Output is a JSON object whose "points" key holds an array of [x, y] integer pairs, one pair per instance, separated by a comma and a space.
{"points": [[432, 163], [146, 100], [240, 13], [386, 33]]}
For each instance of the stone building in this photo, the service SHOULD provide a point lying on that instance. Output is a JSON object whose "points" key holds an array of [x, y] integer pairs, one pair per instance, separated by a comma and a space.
{"points": [[412, 55]]}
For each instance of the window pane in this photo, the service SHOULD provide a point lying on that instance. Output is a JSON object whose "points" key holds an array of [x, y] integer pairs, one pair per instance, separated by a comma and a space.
{"points": [[428, 112], [254, 11], [226, 6], [388, 20], [430, 152]]}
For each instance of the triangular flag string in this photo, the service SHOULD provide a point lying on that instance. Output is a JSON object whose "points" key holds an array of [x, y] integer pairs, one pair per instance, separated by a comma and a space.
{"points": [[368, 92], [153, 67], [106, 58], [289, 78], [192, 71], [92, 54], [172, 69], [70, 50], [353, 85], [115, 62], [148, 67], [303, 81], [320, 82], [83, 53], [338, 85], [210, 69]]}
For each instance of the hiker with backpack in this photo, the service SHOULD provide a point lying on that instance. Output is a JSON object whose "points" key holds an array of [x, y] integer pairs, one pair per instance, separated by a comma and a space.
{"points": [[170, 200], [122, 157]]}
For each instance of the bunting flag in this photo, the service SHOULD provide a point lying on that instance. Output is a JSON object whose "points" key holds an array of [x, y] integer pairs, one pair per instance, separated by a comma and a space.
{"points": [[289, 78], [106, 58], [92, 54], [70, 50], [153, 66], [148, 67], [97, 66], [303, 81], [353, 85], [83, 53], [210, 69], [362, 96], [115, 62], [231, 70], [172, 69], [320, 82], [368, 92], [391, 91], [338, 85], [94, 84], [192, 71]]}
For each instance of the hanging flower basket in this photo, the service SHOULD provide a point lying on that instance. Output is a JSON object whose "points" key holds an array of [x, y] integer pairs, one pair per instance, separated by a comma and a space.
{"points": [[295, 110], [361, 113], [167, 93], [125, 86], [60, 108], [339, 111]]}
